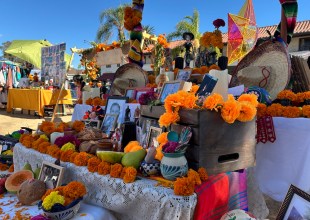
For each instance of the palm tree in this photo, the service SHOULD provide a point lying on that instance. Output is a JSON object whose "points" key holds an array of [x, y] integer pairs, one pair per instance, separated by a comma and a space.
{"points": [[149, 29], [188, 24], [110, 20]]}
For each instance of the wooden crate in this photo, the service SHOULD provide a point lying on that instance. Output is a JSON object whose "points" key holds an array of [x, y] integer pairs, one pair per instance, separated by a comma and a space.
{"points": [[216, 145]]}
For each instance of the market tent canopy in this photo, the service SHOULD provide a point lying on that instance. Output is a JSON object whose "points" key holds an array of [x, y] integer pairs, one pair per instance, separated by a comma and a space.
{"points": [[30, 51]]}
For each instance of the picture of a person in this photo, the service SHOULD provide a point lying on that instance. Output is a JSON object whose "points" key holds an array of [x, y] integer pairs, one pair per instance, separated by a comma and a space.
{"points": [[169, 89], [115, 109], [108, 124], [184, 75]]}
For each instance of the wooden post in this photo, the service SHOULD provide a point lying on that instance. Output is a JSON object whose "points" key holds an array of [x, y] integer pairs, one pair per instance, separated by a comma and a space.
{"points": [[283, 26], [62, 88]]}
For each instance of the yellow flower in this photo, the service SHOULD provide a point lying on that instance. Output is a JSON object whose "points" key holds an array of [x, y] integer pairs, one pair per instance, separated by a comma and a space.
{"points": [[213, 102], [68, 146], [43, 136], [52, 199]]}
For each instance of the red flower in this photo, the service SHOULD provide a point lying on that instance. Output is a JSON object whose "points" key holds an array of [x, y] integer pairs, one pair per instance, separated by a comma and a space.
{"points": [[219, 23]]}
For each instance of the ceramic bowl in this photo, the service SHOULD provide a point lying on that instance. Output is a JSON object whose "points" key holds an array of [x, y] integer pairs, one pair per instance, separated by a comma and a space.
{"points": [[148, 169]]}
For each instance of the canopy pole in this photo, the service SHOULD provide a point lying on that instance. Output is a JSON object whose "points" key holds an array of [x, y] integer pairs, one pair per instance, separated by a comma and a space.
{"points": [[62, 88]]}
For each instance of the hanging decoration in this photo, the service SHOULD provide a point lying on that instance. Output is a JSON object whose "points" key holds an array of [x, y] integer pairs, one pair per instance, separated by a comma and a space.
{"points": [[242, 32], [132, 22]]}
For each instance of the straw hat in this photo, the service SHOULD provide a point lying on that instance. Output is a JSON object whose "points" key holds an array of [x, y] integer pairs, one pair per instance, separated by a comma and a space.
{"points": [[267, 66], [128, 75]]}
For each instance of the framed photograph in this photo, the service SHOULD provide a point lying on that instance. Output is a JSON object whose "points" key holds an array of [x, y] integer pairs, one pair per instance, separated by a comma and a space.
{"points": [[152, 136], [116, 105], [140, 91], [109, 123], [184, 74], [130, 93], [296, 205], [207, 85], [92, 123], [51, 174], [170, 87]]}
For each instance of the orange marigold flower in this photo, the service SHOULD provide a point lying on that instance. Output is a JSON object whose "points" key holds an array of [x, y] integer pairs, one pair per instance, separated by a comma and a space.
{"points": [[196, 71], [132, 146], [213, 102], [43, 147], [162, 138], [65, 155], [68, 201], [48, 130], [306, 111], [291, 112], [74, 190], [104, 168], [123, 172], [173, 102], [300, 97], [287, 94], [252, 98], [78, 126], [159, 153], [203, 174], [184, 187], [82, 159], [116, 170], [89, 101], [230, 111], [190, 101], [204, 69], [130, 175], [214, 67], [168, 118], [194, 177], [306, 95], [92, 164], [247, 111], [72, 157], [275, 110], [3, 167], [194, 89], [261, 110]]}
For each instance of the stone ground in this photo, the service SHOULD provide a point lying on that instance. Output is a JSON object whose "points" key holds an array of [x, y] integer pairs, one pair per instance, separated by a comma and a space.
{"points": [[11, 122]]}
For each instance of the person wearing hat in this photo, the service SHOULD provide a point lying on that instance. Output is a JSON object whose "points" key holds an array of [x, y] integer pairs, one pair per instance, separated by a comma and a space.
{"points": [[188, 36]]}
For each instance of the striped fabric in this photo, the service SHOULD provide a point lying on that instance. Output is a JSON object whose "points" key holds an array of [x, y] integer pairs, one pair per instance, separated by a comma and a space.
{"points": [[290, 8]]}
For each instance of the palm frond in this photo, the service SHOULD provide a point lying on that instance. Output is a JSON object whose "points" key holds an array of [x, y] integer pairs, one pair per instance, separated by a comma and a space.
{"points": [[104, 33]]}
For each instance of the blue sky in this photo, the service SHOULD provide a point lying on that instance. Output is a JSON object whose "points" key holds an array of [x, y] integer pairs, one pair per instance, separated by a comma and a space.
{"points": [[76, 21]]}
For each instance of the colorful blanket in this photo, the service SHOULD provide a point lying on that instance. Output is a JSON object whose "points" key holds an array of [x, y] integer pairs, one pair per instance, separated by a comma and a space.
{"points": [[221, 193]]}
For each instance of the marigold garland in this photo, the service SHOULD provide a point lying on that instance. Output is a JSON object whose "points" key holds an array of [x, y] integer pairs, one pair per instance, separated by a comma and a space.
{"points": [[65, 155], [162, 138], [74, 190], [261, 110], [82, 159], [43, 147], [123, 172], [130, 175], [291, 112], [287, 94], [116, 170], [251, 98], [104, 168], [203, 174], [306, 111], [275, 110], [92, 164], [72, 157]]}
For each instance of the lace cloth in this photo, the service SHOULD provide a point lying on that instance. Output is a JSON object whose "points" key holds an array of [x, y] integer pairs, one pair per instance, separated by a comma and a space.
{"points": [[138, 200]]}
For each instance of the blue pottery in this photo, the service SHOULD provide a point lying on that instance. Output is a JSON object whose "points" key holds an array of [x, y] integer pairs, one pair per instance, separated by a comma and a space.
{"points": [[173, 165], [148, 169]]}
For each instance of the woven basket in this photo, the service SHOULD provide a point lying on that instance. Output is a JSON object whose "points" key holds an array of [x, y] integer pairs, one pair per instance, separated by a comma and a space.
{"points": [[64, 215]]}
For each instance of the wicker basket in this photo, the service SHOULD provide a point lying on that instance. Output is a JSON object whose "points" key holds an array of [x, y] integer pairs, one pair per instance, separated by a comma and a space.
{"points": [[64, 215]]}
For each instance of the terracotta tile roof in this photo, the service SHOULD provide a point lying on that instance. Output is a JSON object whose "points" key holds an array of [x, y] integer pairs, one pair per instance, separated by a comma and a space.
{"points": [[301, 28]]}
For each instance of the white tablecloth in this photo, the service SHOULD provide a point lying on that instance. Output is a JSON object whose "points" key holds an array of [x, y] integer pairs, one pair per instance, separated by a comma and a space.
{"points": [[87, 212], [287, 160], [138, 200]]}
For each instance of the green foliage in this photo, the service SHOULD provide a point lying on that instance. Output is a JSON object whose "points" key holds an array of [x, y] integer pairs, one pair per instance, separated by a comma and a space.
{"points": [[188, 24], [111, 21]]}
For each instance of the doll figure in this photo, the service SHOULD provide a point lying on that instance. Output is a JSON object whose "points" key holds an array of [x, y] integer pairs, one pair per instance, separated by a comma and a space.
{"points": [[188, 47]]}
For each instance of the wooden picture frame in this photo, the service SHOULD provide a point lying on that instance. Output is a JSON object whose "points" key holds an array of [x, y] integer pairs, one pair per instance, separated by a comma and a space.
{"points": [[116, 105], [153, 133], [295, 205], [170, 87], [109, 123], [51, 174], [184, 74], [131, 92], [92, 123]]}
